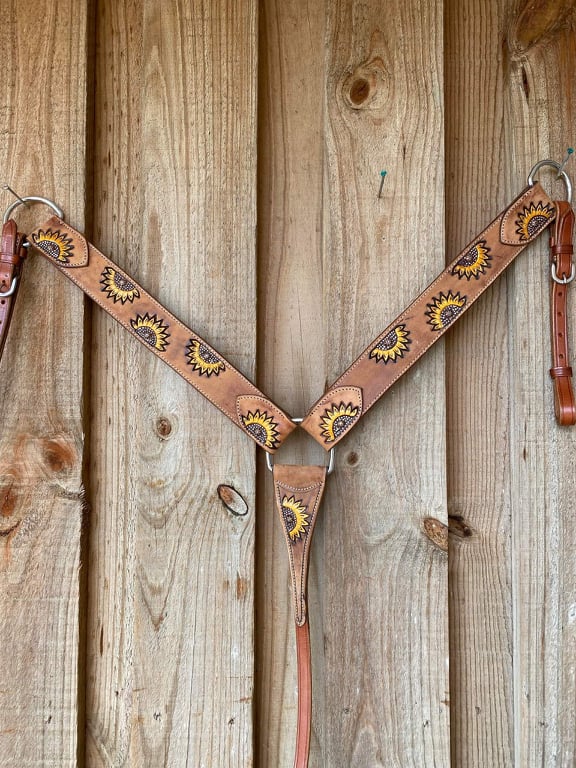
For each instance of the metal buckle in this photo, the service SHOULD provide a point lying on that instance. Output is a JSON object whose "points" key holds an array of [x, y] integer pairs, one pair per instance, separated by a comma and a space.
{"points": [[562, 280], [331, 454], [561, 172], [11, 290]]}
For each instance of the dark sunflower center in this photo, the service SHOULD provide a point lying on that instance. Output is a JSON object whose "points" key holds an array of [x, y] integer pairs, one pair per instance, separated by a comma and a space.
{"points": [[470, 258], [536, 223], [341, 424], [289, 519], [258, 432], [207, 355], [449, 313], [388, 341], [147, 334], [122, 283]]}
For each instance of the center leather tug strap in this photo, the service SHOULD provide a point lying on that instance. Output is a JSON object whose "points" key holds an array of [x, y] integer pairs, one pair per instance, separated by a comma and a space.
{"points": [[298, 492]]}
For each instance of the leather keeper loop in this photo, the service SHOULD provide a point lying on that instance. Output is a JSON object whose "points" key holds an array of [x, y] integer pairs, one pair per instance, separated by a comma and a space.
{"points": [[560, 372]]}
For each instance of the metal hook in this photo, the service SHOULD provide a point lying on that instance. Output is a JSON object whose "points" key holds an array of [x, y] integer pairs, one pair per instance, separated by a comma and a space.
{"points": [[31, 199], [561, 172]]}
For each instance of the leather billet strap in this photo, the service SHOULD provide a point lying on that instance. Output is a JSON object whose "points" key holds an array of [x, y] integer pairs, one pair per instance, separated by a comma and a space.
{"points": [[298, 492], [425, 321], [12, 252], [563, 270], [162, 333]]}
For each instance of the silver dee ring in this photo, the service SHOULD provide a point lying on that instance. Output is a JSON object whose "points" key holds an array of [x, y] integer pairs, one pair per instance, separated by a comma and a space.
{"points": [[331, 455], [561, 172], [32, 199]]}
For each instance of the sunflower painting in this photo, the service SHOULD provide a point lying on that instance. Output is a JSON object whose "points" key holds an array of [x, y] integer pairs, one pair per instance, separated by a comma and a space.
{"points": [[445, 309], [392, 346], [262, 428], [54, 244], [474, 263], [337, 420], [151, 330], [295, 518], [117, 287]]}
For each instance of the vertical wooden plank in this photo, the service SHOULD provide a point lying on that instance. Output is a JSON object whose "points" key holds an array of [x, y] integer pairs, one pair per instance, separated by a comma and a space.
{"points": [[541, 101], [291, 348], [477, 370], [380, 645], [170, 634], [43, 123], [511, 98], [385, 600]]}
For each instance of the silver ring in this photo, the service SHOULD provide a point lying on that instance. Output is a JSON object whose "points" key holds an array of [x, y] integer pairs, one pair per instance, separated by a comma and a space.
{"points": [[32, 199], [331, 454], [561, 172]]}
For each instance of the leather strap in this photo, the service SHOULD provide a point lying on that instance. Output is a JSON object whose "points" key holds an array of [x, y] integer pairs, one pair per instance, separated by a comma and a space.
{"points": [[425, 321], [304, 722], [561, 251], [298, 491], [12, 251], [153, 325]]}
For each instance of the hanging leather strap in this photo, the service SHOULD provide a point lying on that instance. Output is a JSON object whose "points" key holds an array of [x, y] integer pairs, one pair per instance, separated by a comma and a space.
{"points": [[12, 252], [298, 491], [426, 320], [563, 270], [162, 333]]}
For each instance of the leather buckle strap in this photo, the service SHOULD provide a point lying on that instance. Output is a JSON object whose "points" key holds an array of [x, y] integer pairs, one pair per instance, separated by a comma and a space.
{"points": [[12, 252], [563, 271]]}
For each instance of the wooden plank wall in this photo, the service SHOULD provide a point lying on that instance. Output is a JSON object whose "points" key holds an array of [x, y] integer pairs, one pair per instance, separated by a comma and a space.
{"points": [[228, 153]]}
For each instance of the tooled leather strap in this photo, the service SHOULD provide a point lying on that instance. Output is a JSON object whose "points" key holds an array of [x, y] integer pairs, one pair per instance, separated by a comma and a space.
{"points": [[298, 491], [561, 251], [148, 321], [425, 321], [12, 251]]}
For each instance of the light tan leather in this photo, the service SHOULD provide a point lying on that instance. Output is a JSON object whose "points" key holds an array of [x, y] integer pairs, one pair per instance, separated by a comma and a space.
{"points": [[561, 251], [12, 252], [298, 492], [148, 321], [453, 292]]}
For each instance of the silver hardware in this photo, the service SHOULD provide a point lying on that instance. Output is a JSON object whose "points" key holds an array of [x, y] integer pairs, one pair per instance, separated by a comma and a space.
{"points": [[562, 280], [331, 457], [11, 290], [31, 199], [561, 172], [16, 195]]}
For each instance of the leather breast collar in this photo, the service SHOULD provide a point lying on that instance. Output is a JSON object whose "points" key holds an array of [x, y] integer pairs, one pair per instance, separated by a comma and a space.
{"points": [[298, 489]]}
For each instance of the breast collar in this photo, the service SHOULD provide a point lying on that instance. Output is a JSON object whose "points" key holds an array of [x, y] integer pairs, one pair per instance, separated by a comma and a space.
{"points": [[298, 489]]}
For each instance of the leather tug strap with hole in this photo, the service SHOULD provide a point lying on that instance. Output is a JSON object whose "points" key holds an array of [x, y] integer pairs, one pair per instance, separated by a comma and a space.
{"points": [[298, 490], [562, 266], [11, 255]]}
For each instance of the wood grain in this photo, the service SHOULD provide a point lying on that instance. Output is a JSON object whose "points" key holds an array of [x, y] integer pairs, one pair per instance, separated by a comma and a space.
{"points": [[385, 601], [511, 581], [380, 645], [170, 636], [481, 622], [290, 190], [42, 151]]}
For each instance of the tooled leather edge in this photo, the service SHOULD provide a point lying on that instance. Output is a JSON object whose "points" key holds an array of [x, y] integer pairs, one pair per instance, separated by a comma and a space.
{"points": [[522, 222], [61, 243]]}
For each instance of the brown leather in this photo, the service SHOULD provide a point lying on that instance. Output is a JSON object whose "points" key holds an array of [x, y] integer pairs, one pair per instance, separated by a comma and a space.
{"points": [[12, 251], [561, 251], [304, 723], [425, 321], [148, 321], [298, 492]]}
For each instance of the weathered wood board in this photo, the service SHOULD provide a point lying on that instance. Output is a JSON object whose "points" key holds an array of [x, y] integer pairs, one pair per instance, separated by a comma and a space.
{"points": [[228, 154]]}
